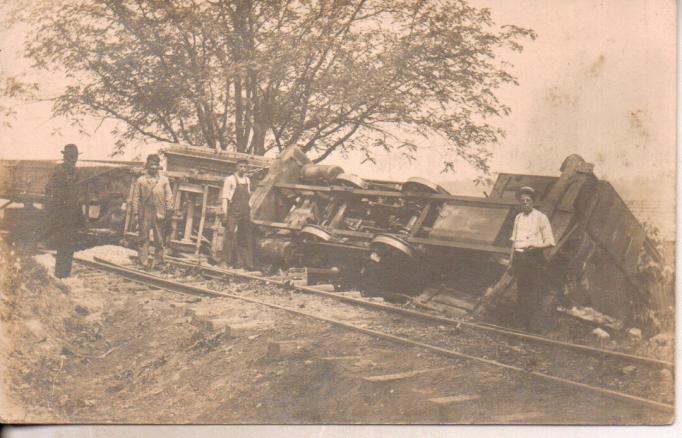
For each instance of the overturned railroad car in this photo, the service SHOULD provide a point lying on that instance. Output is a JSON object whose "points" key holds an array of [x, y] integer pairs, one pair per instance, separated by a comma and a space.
{"points": [[414, 239], [196, 177]]}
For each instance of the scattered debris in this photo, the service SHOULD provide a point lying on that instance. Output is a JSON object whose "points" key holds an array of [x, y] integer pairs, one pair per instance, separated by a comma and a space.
{"points": [[629, 370], [453, 399], [601, 334], [401, 376], [112, 253], [590, 315], [635, 333], [663, 339]]}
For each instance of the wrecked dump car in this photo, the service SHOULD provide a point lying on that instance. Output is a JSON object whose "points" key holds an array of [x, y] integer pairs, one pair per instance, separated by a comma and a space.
{"points": [[402, 240], [450, 252]]}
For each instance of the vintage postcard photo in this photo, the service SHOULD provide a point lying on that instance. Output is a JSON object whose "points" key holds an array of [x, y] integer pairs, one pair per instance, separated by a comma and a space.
{"points": [[337, 211]]}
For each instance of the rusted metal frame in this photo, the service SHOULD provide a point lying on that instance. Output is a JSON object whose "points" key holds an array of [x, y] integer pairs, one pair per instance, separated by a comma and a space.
{"points": [[459, 245], [285, 226], [460, 200], [174, 286], [344, 246], [338, 216], [200, 232], [420, 221]]}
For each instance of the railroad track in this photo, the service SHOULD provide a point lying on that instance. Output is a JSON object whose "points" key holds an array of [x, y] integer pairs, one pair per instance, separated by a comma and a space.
{"points": [[443, 336], [458, 323]]}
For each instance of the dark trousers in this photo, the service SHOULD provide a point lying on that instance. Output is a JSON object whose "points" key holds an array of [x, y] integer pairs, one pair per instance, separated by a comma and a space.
{"points": [[147, 220], [238, 233], [65, 243], [63, 261], [529, 268]]}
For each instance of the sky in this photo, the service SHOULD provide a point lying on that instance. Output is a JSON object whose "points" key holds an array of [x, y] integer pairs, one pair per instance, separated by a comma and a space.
{"points": [[598, 81]]}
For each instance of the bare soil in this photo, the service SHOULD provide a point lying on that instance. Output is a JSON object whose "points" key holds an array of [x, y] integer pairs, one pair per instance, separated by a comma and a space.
{"points": [[98, 349]]}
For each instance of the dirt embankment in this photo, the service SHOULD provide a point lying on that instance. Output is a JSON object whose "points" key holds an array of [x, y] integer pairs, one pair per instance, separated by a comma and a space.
{"points": [[92, 349]]}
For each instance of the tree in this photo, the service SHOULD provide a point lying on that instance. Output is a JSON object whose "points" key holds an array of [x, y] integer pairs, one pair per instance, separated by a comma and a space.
{"points": [[253, 75]]}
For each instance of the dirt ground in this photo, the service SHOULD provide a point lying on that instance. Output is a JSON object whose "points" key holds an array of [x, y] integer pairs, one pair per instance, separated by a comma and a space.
{"points": [[89, 350]]}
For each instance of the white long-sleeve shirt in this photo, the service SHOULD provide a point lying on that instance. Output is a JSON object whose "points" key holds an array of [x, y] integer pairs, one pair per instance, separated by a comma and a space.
{"points": [[532, 229], [230, 185]]}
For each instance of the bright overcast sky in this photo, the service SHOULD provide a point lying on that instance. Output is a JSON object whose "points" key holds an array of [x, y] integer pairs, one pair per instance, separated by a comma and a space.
{"points": [[598, 81]]}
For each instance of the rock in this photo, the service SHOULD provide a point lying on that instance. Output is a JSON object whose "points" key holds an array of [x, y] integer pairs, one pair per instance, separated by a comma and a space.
{"points": [[635, 333], [82, 310], [629, 370], [601, 334], [662, 338]]}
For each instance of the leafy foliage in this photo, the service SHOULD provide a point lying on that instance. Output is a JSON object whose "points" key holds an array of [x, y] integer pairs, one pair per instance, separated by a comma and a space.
{"points": [[14, 90], [654, 277], [253, 75]]}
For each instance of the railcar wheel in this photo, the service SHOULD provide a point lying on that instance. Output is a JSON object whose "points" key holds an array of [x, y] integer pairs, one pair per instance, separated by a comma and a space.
{"points": [[386, 242], [422, 185], [316, 232], [349, 180]]}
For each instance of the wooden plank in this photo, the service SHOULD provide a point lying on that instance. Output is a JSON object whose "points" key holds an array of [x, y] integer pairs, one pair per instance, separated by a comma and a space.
{"points": [[129, 207], [402, 376], [189, 219], [191, 188], [202, 220], [452, 301], [443, 401]]}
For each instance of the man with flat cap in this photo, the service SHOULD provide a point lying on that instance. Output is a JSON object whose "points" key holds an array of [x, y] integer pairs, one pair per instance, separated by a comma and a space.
{"points": [[532, 233], [63, 210], [152, 204]]}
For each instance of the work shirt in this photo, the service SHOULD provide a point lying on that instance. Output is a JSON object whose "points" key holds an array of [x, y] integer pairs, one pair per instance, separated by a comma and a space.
{"points": [[532, 229], [152, 192], [230, 185]]}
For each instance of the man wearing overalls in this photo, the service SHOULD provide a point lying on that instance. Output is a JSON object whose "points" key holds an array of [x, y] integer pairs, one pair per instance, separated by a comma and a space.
{"points": [[152, 204], [237, 218]]}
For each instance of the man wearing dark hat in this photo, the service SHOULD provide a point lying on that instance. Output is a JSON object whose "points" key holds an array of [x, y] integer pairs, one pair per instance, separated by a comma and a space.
{"points": [[236, 209], [152, 204], [532, 233], [63, 210]]}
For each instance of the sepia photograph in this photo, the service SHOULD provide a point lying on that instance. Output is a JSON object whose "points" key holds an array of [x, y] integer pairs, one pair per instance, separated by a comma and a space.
{"points": [[338, 212]]}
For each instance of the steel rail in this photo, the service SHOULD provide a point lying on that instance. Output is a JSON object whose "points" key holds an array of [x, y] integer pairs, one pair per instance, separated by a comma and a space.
{"points": [[440, 319], [174, 286]]}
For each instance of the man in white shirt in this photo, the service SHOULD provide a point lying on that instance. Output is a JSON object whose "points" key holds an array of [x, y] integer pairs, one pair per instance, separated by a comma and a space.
{"points": [[532, 233], [236, 212]]}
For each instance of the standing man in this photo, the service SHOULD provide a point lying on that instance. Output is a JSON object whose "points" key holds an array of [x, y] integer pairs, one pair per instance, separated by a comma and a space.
{"points": [[532, 234], [63, 210], [236, 212], [152, 204]]}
